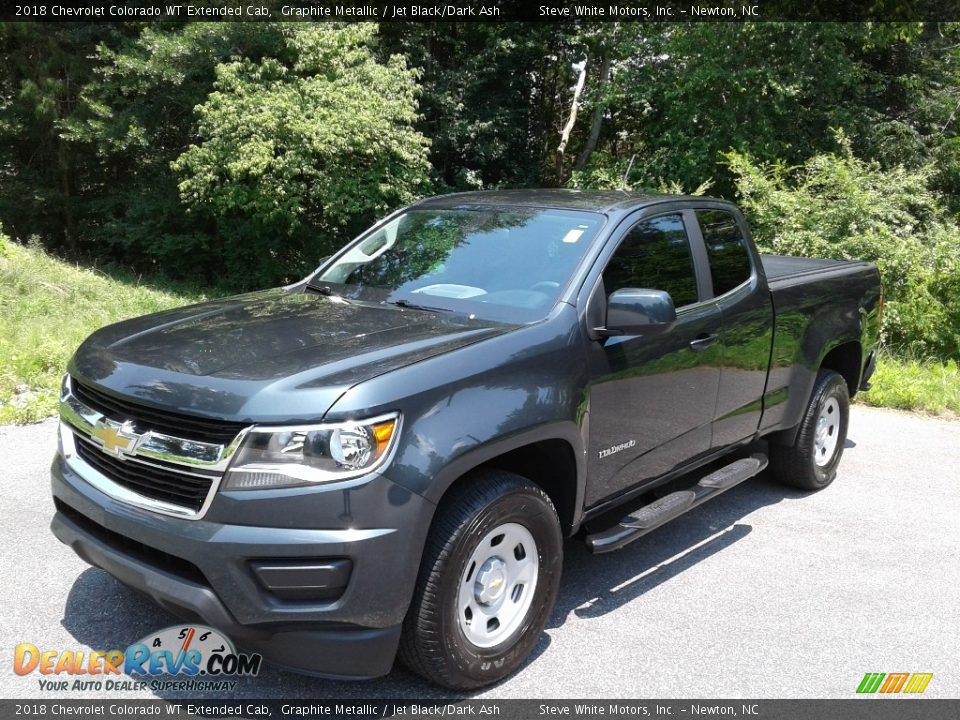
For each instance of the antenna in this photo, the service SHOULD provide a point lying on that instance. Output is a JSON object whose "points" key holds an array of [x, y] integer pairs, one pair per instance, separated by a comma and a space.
{"points": [[626, 174]]}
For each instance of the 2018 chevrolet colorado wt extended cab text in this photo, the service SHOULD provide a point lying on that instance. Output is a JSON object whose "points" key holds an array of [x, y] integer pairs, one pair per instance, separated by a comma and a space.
{"points": [[384, 459]]}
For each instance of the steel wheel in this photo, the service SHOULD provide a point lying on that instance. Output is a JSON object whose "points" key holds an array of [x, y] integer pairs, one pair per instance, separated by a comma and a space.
{"points": [[827, 432], [488, 581], [497, 585], [810, 461]]}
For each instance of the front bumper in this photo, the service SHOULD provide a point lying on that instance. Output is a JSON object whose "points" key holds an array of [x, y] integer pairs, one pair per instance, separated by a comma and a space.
{"points": [[366, 537]]}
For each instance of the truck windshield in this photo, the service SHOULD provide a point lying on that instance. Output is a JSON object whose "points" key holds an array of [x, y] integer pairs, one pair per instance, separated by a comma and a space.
{"points": [[506, 264]]}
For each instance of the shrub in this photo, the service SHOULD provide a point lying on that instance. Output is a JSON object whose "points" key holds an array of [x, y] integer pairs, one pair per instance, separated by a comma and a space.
{"points": [[294, 160], [838, 206]]}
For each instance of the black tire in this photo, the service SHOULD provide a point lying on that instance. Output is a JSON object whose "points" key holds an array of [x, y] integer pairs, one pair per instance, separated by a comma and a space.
{"points": [[797, 464], [434, 643]]}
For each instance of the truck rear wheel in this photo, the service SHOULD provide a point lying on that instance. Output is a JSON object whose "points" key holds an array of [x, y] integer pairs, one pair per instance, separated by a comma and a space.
{"points": [[487, 584], [811, 462]]}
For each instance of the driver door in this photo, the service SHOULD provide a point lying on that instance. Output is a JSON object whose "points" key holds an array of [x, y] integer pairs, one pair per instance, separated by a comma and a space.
{"points": [[652, 398]]}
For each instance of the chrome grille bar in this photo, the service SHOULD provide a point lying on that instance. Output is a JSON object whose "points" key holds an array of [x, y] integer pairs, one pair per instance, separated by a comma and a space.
{"points": [[118, 439]]}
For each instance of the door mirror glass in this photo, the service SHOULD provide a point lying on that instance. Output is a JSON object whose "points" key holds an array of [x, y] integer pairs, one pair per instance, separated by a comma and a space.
{"points": [[636, 311]]}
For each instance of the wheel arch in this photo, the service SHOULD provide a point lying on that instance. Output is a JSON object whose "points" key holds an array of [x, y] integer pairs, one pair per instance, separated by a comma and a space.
{"points": [[846, 359], [546, 456], [843, 357]]}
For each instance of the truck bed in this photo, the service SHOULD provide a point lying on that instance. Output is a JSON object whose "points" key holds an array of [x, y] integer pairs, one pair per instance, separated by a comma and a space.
{"points": [[783, 270], [814, 299]]}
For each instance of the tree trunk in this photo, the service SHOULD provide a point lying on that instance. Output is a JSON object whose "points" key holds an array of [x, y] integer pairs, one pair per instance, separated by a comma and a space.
{"points": [[597, 121], [65, 168], [571, 120]]}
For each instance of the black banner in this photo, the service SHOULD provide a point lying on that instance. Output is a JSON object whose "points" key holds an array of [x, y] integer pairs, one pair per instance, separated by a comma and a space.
{"points": [[874, 708], [484, 11]]}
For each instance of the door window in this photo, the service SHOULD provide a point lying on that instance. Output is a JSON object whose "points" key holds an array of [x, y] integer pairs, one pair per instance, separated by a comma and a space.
{"points": [[654, 254]]}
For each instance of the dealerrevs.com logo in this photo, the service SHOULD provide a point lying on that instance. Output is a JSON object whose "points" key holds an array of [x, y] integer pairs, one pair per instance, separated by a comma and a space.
{"points": [[179, 650]]}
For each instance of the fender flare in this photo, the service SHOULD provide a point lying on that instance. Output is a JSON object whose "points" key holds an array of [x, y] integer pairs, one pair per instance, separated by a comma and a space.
{"points": [[564, 431]]}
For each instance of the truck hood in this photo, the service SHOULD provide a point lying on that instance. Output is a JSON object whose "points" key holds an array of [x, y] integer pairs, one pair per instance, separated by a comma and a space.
{"points": [[277, 355]]}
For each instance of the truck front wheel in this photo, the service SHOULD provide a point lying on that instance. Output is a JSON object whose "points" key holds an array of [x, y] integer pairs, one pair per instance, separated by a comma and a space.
{"points": [[487, 584], [811, 462]]}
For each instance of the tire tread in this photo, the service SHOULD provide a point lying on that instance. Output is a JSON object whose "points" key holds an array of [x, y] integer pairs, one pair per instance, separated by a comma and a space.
{"points": [[420, 644], [794, 464]]}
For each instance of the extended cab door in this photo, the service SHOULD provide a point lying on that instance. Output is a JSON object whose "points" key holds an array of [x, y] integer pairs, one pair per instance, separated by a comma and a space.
{"points": [[740, 290], [651, 398]]}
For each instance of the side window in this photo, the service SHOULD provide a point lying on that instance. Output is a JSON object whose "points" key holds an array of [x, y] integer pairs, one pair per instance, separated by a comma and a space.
{"points": [[654, 254], [726, 250]]}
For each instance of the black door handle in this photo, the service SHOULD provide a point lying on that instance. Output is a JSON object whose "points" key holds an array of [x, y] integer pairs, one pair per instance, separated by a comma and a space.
{"points": [[703, 341]]}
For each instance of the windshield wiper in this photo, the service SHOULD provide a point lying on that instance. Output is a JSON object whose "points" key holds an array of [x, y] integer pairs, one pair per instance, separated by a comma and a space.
{"points": [[322, 289], [327, 291], [401, 302]]}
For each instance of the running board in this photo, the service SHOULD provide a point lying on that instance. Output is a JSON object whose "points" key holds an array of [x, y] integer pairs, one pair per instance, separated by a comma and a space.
{"points": [[665, 509]]}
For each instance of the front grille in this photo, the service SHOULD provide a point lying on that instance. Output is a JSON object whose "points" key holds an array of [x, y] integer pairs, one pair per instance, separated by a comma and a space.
{"points": [[158, 483], [218, 432]]}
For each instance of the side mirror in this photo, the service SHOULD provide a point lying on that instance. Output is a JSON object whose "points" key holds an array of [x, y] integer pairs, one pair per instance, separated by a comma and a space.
{"points": [[635, 311]]}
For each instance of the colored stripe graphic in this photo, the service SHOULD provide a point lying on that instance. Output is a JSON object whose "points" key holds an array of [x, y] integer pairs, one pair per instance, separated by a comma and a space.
{"points": [[870, 682], [914, 683], [918, 682], [894, 682]]}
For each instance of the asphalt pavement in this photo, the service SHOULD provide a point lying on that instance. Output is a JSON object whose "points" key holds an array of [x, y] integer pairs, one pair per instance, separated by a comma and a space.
{"points": [[764, 592]]}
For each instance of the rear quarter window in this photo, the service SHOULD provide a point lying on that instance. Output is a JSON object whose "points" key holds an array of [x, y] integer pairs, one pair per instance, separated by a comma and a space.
{"points": [[726, 250]]}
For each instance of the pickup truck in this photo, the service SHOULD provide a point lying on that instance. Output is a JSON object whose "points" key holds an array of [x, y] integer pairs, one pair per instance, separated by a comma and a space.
{"points": [[384, 459]]}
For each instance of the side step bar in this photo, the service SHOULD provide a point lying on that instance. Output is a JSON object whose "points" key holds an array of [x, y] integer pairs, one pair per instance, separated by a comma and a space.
{"points": [[661, 511]]}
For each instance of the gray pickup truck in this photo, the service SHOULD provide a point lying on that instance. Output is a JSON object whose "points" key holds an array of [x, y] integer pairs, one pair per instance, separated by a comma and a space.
{"points": [[384, 459]]}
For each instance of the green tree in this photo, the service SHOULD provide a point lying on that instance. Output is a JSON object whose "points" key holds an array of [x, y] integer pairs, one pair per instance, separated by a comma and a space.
{"points": [[138, 114], [294, 159], [176, 148], [493, 97], [682, 94], [43, 176]]}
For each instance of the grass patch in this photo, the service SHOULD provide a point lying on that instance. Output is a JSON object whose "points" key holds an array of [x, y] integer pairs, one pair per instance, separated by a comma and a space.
{"points": [[927, 386], [47, 308]]}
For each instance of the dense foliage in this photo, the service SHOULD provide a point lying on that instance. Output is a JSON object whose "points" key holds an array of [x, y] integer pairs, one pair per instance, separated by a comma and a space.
{"points": [[837, 206], [290, 159], [238, 154], [229, 153]]}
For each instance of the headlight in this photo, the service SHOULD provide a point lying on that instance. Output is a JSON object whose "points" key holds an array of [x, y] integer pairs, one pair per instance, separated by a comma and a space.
{"points": [[306, 454]]}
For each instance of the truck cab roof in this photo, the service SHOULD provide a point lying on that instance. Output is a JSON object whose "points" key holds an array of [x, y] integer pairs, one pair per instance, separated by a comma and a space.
{"points": [[608, 202]]}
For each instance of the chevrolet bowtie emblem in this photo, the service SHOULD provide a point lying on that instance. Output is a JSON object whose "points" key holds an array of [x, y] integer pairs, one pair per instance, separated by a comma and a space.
{"points": [[116, 438]]}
